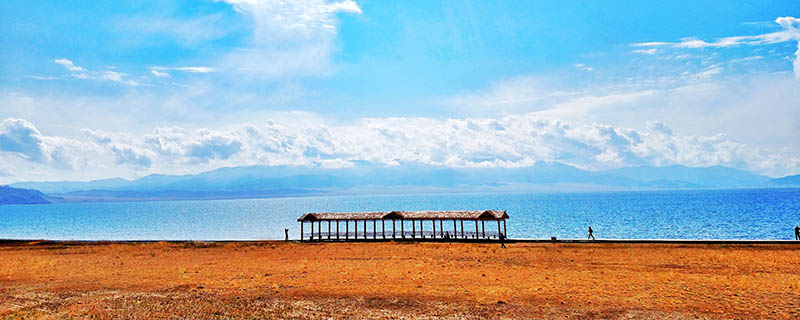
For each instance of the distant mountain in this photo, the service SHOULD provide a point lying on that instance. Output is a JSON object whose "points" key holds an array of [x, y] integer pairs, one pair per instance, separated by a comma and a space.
{"points": [[55, 187], [279, 181], [9, 195], [709, 177], [787, 181]]}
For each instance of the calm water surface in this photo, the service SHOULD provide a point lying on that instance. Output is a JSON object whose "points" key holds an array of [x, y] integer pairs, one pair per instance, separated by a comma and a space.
{"points": [[696, 214]]}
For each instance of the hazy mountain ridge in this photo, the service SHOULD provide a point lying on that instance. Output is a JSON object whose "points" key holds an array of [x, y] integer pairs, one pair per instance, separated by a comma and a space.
{"points": [[277, 181], [787, 181], [9, 195]]}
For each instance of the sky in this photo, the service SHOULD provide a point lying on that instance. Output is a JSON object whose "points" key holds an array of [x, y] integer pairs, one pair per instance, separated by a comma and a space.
{"points": [[101, 89]]}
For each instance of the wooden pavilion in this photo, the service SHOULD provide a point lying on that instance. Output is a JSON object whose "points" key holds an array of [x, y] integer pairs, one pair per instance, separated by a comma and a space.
{"points": [[404, 225]]}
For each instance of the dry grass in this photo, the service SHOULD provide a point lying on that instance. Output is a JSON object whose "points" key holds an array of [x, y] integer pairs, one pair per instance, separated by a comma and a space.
{"points": [[398, 280]]}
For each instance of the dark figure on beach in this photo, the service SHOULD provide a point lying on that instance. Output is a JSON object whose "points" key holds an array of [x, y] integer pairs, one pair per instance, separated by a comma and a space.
{"points": [[287, 234], [502, 238], [797, 232], [591, 234]]}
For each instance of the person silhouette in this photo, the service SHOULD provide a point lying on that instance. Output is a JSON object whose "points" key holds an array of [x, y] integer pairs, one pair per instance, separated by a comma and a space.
{"points": [[286, 231], [502, 238], [591, 234], [797, 232]]}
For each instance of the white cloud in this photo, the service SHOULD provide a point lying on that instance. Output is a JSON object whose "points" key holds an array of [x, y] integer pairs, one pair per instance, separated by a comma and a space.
{"points": [[509, 141], [650, 51], [103, 75], [195, 69], [790, 31], [22, 139], [159, 74], [584, 67], [288, 37], [69, 65]]}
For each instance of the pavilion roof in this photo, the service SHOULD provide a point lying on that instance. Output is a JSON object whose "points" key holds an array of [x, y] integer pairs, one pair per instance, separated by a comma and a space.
{"points": [[430, 215]]}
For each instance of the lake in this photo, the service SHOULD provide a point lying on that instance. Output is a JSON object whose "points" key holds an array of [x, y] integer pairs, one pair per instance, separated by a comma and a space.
{"points": [[685, 214]]}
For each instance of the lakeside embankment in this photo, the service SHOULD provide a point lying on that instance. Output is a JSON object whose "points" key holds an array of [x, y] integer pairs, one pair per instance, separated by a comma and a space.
{"points": [[398, 280]]}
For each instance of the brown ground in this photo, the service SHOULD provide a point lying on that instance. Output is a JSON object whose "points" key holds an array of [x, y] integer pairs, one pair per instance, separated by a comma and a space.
{"points": [[398, 280]]}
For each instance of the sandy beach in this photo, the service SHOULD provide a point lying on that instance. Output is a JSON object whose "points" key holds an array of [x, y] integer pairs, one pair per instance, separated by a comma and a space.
{"points": [[398, 280]]}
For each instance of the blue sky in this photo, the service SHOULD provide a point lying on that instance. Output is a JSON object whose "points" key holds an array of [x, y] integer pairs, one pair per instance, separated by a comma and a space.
{"points": [[101, 89]]}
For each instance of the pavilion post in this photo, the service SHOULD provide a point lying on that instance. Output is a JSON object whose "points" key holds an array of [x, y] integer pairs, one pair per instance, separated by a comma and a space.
{"points": [[355, 229], [365, 229], [374, 229], [347, 229], [421, 228], [433, 223], [319, 230], [505, 231], [312, 232], [483, 227], [329, 229], [476, 229], [302, 223], [402, 228], [462, 228], [337, 229], [455, 230], [441, 228], [413, 229], [383, 228], [498, 229], [392, 228]]}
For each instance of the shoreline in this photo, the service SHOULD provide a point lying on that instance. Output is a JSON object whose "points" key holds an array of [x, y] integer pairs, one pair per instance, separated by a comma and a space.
{"points": [[4, 242]]}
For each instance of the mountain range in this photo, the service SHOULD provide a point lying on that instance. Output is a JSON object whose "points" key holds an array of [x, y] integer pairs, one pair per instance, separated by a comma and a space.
{"points": [[282, 181]]}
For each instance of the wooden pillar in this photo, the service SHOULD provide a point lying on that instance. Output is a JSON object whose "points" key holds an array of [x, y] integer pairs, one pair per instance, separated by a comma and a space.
{"points": [[455, 229], [337, 229], [505, 231], [302, 223], [462, 228], [374, 229], [392, 228], [319, 230], [441, 228], [346, 229], [476, 229], [433, 223], [355, 229], [365, 229], [498, 229], [329, 229], [483, 227], [402, 228], [413, 228], [312, 231], [383, 228], [421, 228]]}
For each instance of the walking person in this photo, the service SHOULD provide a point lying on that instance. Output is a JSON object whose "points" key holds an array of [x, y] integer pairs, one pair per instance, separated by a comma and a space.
{"points": [[591, 234], [797, 232], [286, 230], [502, 238]]}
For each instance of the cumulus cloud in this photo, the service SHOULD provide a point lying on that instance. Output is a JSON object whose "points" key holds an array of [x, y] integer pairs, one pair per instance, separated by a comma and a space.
{"points": [[21, 138], [509, 141], [214, 145], [790, 32], [288, 37]]}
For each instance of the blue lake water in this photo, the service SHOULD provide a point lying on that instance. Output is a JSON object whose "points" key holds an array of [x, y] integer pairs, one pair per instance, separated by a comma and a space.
{"points": [[695, 214]]}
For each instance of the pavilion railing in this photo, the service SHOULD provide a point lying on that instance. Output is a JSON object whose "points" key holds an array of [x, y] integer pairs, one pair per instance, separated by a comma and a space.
{"points": [[426, 234]]}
